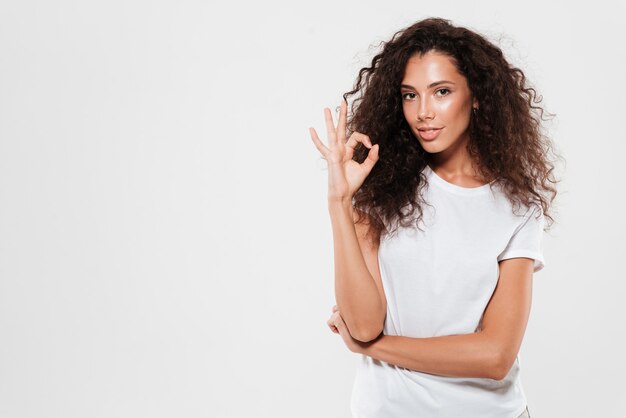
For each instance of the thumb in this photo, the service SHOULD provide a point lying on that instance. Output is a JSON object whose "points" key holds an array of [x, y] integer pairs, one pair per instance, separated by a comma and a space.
{"points": [[372, 158]]}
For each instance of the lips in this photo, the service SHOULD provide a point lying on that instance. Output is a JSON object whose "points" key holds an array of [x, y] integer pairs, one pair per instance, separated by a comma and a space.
{"points": [[429, 134]]}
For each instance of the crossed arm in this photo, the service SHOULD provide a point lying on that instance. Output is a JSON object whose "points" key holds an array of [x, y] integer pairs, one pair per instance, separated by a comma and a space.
{"points": [[489, 353], [362, 304]]}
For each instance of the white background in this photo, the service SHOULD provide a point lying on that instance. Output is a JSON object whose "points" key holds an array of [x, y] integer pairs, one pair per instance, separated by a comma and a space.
{"points": [[165, 245]]}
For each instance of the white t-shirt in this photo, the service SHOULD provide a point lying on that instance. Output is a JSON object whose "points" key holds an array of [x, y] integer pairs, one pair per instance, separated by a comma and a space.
{"points": [[438, 282]]}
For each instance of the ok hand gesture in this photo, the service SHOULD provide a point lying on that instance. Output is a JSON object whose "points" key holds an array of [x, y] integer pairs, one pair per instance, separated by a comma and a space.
{"points": [[345, 175]]}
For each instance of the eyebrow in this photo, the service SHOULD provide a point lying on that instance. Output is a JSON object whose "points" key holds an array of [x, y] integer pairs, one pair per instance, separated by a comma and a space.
{"points": [[436, 83]]}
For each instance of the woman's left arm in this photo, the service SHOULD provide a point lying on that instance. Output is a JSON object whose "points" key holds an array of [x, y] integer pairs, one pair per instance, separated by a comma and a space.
{"points": [[488, 353]]}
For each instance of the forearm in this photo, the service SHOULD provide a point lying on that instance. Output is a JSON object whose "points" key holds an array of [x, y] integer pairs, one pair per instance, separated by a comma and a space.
{"points": [[467, 355], [356, 293]]}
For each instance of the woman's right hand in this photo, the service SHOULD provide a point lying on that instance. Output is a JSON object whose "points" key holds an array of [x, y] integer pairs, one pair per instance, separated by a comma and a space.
{"points": [[345, 176]]}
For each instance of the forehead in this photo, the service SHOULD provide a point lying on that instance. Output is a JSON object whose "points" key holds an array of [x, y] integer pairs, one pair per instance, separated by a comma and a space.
{"points": [[432, 66]]}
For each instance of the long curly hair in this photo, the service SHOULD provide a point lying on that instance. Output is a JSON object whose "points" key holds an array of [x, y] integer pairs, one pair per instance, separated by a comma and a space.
{"points": [[506, 139]]}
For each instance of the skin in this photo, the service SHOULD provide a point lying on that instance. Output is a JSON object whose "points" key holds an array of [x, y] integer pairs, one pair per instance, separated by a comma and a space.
{"points": [[360, 296], [490, 352], [448, 105]]}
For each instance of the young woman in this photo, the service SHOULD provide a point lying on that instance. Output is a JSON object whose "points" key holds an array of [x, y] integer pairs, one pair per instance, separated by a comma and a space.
{"points": [[437, 304]]}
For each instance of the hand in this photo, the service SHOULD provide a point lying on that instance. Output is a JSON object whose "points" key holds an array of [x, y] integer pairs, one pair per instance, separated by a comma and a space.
{"points": [[345, 175], [338, 326]]}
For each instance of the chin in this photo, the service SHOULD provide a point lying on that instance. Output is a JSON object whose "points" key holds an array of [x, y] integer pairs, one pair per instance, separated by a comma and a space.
{"points": [[432, 147]]}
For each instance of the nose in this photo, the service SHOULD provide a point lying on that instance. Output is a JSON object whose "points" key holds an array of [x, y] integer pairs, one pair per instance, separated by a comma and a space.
{"points": [[424, 110]]}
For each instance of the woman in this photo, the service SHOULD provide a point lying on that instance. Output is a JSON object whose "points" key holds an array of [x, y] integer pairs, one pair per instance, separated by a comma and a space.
{"points": [[437, 304]]}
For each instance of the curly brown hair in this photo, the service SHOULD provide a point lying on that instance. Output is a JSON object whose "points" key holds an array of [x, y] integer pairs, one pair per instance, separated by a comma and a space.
{"points": [[506, 139]]}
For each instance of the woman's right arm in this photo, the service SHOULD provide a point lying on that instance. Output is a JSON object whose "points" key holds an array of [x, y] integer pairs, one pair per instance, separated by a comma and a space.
{"points": [[358, 285], [358, 288]]}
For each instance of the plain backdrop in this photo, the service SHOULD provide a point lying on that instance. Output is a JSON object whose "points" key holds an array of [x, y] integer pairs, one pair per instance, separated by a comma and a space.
{"points": [[165, 244]]}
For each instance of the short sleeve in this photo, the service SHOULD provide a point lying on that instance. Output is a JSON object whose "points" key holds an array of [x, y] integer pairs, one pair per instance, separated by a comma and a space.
{"points": [[527, 239]]}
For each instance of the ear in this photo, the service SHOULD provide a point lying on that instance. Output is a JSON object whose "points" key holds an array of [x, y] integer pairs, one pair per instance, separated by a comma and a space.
{"points": [[475, 104]]}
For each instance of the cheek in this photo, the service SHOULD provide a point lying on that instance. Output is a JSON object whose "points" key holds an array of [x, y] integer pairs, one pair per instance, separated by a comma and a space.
{"points": [[406, 111], [451, 111]]}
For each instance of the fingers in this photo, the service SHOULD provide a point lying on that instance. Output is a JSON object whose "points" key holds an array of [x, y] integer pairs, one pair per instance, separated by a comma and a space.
{"points": [[330, 128], [336, 135], [318, 143], [336, 138], [332, 326], [331, 321], [372, 157], [354, 139], [357, 137], [341, 125]]}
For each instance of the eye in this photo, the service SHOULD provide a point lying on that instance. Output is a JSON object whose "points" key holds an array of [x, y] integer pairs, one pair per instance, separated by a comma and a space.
{"points": [[412, 96], [447, 90]]}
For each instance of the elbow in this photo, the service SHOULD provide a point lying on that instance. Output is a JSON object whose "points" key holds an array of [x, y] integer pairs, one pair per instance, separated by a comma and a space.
{"points": [[369, 332], [501, 366], [499, 357], [369, 329], [367, 335]]}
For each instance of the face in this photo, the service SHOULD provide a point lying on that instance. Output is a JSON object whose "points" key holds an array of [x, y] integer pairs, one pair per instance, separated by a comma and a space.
{"points": [[436, 95]]}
